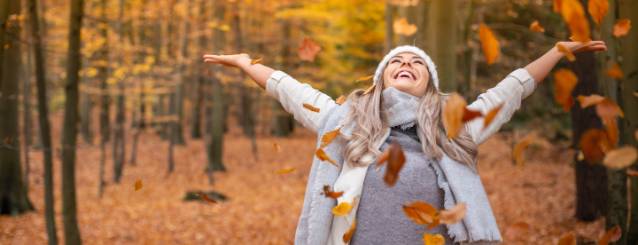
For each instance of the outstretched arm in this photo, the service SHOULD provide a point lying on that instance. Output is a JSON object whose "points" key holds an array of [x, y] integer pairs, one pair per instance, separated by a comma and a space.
{"points": [[540, 67], [258, 72]]}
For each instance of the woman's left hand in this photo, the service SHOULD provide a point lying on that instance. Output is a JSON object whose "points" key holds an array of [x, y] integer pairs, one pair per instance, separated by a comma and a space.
{"points": [[590, 46]]}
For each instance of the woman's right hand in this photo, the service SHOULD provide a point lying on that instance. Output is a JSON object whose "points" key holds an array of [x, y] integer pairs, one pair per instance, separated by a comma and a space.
{"points": [[235, 60]]}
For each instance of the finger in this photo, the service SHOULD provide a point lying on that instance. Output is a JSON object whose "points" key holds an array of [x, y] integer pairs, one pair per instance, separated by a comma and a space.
{"points": [[211, 61], [211, 56]]}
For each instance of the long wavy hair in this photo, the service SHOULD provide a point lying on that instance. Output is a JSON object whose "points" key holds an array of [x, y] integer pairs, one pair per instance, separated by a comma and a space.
{"points": [[367, 116]]}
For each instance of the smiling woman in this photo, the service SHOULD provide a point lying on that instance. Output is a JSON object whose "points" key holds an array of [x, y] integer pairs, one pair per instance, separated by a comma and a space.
{"points": [[403, 110]]}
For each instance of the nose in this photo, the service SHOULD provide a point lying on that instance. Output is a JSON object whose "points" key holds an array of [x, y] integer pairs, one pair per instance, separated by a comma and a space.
{"points": [[406, 62]]}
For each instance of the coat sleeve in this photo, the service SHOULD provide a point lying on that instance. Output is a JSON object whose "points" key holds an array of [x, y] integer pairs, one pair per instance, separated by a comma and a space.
{"points": [[509, 93], [292, 95]]}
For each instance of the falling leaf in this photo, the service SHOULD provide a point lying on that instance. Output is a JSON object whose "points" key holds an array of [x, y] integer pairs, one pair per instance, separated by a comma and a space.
{"points": [[491, 115], [598, 9], [469, 115], [205, 197], [277, 147], [587, 101], [574, 15], [340, 100], [324, 157], [402, 27], [433, 239], [256, 61], [612, 235], [593, 143], [454, 214], [310, 107], [632, 173], [567, 239], [489, 43], [536, 27], [138, 185], [564, 82], [342, 209], [363, 79], [614, 71], [608, 109], [308, 50], [566, 51], [328, 137], [422, 213], [348, 235], [330, 193], [611, 127], [622, 27], [395, 159], [520, 147], [369, 89], [453, 112], [621, 158], [286, 170], [556, 5]]}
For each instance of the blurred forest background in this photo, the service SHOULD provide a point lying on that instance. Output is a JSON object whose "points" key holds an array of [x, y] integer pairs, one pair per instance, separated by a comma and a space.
{"points": [[113, 131]]}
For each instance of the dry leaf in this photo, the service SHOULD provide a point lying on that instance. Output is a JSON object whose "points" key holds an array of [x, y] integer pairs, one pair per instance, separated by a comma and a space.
{"points": [[622, 27], [330, 193], [138, 185], [256, 61], [422, 213], [593, 144], [396, 159], [205, 197], [310, 107], [489, 43], [328, 137], [324, 157], [342, 209], [433, 239], [608, 109], [612, 235], [363, 79], [598, 9], [369, 89], [453, 215], [453, 112], [567, 239], [589, 100], [564, 82], [469, 115], [621, 158], [277, 147], [340, 100], [632, 173], [308, 50], [536, 27], [567, 52], [614, 71], [611, 127], [286, 170], [573, 13], [402, 27], [348, 235], [518, 155], [491, 115], [556, 5]]}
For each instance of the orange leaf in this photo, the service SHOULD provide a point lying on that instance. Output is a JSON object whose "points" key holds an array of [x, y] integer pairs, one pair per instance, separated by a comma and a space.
{"points": [[608, 109], [621, 158], [564, 82], [573, 13], [556, 5], [536, 27], [310, 107], [340, 100], [328, 137], [363, 79], [491, 115], [489, 43], [285, 170], [256, 61], [331, 194], [593, 144], [421, 213], [138, 185], [454, 214], [453, 112], [396, 159], [567, 239], [567, 52], [587, 101], [324, 157], [469, 115], [520, 147], [348, 235], [598, 9], [308, 50], [205, 197], [632, 173], [277, 147], [612, 235], [402, 27], [622, 27], [342, 209], [614, 71], [611, 127], [433, 239]]}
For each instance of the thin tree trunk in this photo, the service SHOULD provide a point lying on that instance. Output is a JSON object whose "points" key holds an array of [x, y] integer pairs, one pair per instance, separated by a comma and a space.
{"points": [[119, 143], [105, 126], [86, 109], [283, 123], [442, 39]]}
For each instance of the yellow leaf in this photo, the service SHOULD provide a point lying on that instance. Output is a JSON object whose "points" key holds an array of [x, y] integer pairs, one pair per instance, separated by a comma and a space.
{"points": [[489, 43], [614, 71], [566, 51], [363, 79], [598, 9], [328, 137], [324, 157], [621, 158], [422, 213], [256, 61], [341, 100], [574, 15], [402, 27], [310, 107], [622, 27], [285, 170], [138, 185], [433, 239], [342, 209], [536, 27], [520, 147], [564, 82], [348, 235], [491, 115]]}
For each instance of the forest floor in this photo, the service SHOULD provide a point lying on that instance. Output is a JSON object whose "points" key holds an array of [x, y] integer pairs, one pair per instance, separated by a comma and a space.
{"points": [[533, 204]]}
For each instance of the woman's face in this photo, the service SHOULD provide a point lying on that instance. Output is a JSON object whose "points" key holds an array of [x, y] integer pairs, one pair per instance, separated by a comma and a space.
{"points": [[408, 73]]}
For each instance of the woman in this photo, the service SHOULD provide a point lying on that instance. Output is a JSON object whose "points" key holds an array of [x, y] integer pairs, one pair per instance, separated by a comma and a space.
{"points": [[404, 107]]}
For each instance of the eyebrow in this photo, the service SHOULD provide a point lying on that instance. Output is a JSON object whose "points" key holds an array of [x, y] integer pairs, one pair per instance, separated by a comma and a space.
{"points": [[413, 57]]}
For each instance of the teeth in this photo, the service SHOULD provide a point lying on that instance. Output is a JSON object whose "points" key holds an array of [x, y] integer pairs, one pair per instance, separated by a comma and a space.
{"points": [[404, 73]]}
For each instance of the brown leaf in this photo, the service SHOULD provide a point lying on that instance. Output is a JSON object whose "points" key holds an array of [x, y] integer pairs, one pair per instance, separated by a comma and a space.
{"points": [[593, 144], [308, 50], [489, 43], [469, 115], [536, 27], [598, 9], [566, 51], [556, 5], [421, 213], [611, 129], [256, 61], [138, 185], [396, 159], [608, 109], [277, 147], [491, 115], [574, 15], [348, 235], [454, 214], [567, 239], [342, 209], [632, 173], [286, 170], [383, 158], [520, 147], [310, 107], [433, 239], [324, 157], [331, 194], [364, 79], [612, 235], [621, 158], [205, 197], [589, 100], [328, 137], [341, 100], [564, 82], [614, 71], [402, 27], [453, 112], [622, 27]]}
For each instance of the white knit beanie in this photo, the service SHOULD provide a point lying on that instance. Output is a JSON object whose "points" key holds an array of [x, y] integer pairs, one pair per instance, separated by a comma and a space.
{"points": [[412, 49]]}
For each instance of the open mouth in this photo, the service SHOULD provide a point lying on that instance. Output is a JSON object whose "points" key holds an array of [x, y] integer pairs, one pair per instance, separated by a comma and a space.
{"points": [[405, 74]]}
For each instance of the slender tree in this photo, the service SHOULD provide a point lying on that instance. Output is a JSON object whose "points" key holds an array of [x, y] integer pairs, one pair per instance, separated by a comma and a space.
{"points": [[442, 39]]}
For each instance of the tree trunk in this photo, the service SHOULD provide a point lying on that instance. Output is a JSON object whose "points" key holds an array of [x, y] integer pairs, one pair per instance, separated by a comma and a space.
{"points": [[119, 143], [389, 28], [85, 117], [69, 132], [103, 71], [283, 123], [442, 39], [13, 194]]}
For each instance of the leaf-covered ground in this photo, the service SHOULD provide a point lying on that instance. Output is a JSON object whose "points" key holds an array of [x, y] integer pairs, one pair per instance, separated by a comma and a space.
{"points": [[533, 204]]}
